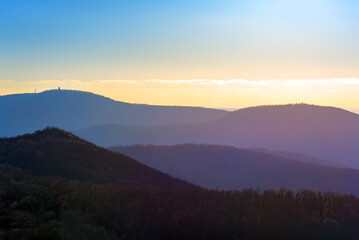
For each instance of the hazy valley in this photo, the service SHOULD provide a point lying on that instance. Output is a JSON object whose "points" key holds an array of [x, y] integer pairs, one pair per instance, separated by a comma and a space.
{"points": [[229, 168]]}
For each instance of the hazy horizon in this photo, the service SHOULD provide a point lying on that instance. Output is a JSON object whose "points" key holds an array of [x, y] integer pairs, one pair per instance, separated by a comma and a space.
{"points": [[230, 109], [218, 54]]}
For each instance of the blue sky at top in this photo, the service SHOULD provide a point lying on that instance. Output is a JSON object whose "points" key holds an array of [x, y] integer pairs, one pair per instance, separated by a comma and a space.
{"points": [[114, 39], [223, 53]]}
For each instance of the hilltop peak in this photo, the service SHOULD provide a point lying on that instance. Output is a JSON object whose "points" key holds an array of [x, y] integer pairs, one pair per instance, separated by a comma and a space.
{"points": [[54, 131], [55, 152], [72, 110], [73, 93], [48, 134], [292, 106], [294, 110]]}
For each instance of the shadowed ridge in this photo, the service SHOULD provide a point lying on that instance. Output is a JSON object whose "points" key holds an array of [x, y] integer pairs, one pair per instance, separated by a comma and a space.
{"points": [[288, 109], [54, 152], [154, 207], [322, 132], [231, 168], [293, 106], [299, 157], [49, 132], [71, 110]]}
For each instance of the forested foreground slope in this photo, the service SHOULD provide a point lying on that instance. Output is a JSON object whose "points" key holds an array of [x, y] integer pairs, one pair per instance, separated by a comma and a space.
{"points": [[41, 198]]}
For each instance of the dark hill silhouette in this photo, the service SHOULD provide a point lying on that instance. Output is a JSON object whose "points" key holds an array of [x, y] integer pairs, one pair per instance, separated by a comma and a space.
{"points": [[54, 152], [54, 185], [230, 168], [323, 132], [69, 110]]}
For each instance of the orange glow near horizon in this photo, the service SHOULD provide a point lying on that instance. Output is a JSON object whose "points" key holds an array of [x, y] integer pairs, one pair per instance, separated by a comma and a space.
{"points": [[218, 54], [232, 93]]}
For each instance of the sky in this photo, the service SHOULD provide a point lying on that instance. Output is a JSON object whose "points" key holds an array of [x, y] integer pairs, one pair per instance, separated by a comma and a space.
{"points": [[212, 53]]}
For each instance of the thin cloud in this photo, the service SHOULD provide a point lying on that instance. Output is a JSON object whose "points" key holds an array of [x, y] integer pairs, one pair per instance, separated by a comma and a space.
{"points": [[328, 82], [119, 81], [210, 82], [59, 81], [97, 81]]}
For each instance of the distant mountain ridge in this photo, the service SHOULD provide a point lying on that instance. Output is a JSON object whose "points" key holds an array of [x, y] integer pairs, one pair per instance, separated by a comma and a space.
{"points": [[70, 110], [323, 132], [230, 168], [299, 157]]}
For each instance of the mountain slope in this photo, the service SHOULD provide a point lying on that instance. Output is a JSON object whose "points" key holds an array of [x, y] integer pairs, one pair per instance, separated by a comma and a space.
{"points": [[231, 168], [323, 132], [54, 185], [23, 113], [53, 152], [299, 157]]}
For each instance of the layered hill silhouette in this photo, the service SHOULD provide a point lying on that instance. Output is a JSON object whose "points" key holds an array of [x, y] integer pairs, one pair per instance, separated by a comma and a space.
{"points": [[55, 185], [54, 152], [299, 157], [70, 110], [230, 168], [323, 132]]}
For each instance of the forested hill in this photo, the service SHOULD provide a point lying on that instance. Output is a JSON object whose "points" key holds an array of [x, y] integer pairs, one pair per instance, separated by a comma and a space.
{"points": [[54, 152], [71, 110], [54, 185]]}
